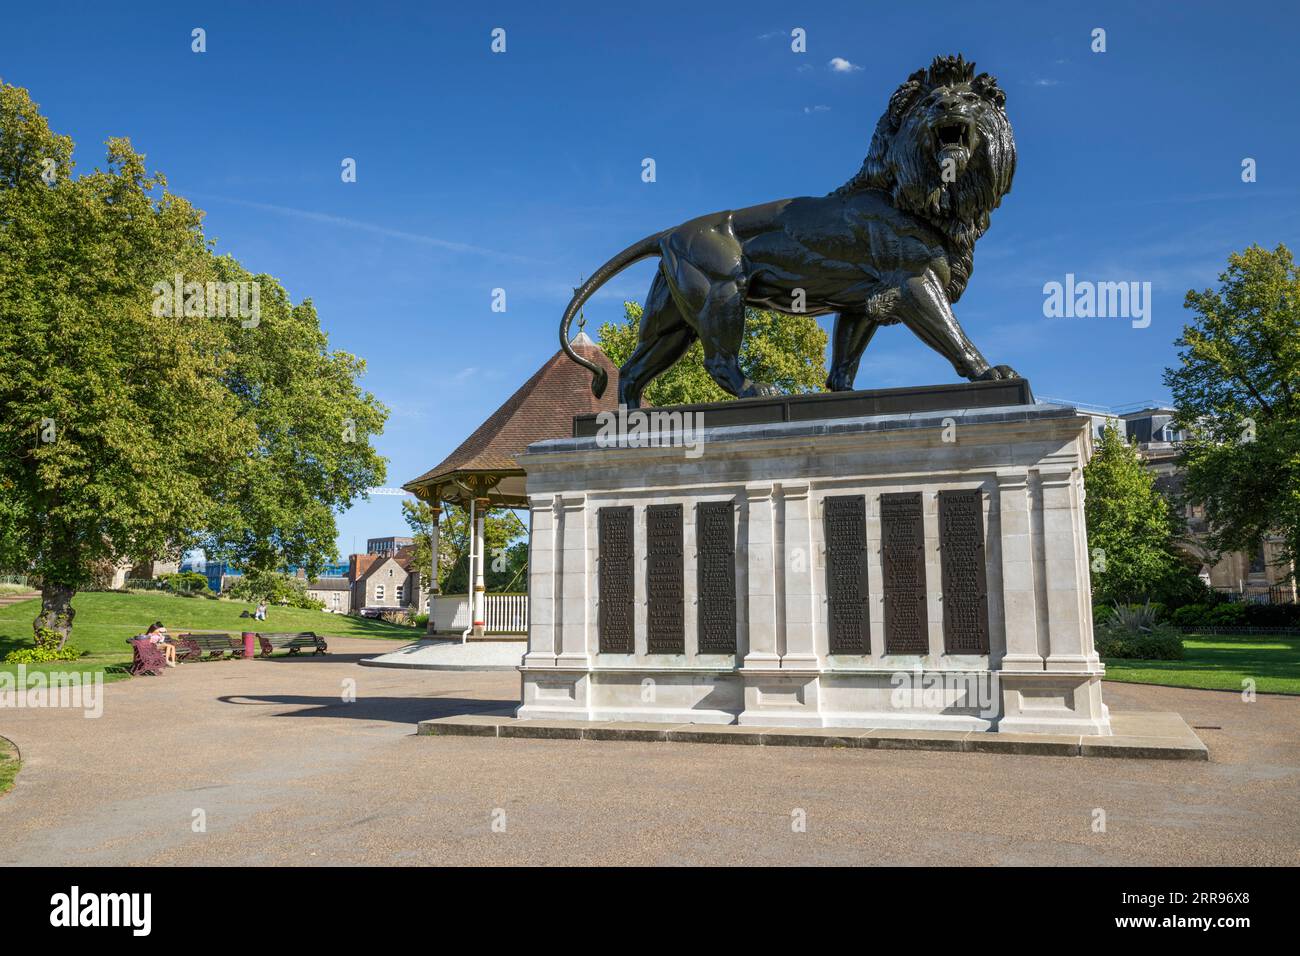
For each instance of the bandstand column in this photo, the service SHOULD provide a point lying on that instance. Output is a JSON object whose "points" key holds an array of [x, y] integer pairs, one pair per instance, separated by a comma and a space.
{"points": [[480, 589], [435, 513]]}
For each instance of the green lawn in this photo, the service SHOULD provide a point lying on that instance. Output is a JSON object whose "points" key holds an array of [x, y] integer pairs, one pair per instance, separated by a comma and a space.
{"points": [[105, 620], [8, 765], [1221, 662]]}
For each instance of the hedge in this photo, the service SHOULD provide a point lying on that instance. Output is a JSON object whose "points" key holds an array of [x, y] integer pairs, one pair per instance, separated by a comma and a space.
{"points": [[1162, 643]]}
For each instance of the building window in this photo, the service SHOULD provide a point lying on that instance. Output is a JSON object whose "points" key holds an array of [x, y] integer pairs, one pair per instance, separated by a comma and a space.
{"points": [[379, 592], [399, 594]]}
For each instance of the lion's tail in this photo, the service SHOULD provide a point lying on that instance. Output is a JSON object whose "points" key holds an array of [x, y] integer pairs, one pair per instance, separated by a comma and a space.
{"points": [[647, 247]]}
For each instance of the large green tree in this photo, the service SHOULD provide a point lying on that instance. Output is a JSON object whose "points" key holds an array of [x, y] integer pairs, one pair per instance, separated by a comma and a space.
{"points": [[788, 351], [1133, 531], [312, 457], [1237, 391], [128, 430]]}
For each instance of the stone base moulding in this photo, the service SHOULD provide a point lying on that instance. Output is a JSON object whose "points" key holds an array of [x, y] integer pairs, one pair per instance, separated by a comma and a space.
{"points": [[1143, 736], [921, 570]]}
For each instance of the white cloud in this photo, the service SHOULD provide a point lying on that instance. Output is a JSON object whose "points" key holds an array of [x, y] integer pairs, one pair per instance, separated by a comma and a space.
{"points": [[840, 65], [819, 108]]}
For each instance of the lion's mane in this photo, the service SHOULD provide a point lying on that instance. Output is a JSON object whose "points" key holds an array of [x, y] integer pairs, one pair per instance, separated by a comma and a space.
{"points": [[899, 163]]}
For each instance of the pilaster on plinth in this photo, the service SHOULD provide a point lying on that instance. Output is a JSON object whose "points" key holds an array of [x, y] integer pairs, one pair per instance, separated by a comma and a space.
{"points": [[1070, 641], [574, 649], [1019, 574], [1063, 694], [764, 578], [798, 617], [543, 580]]}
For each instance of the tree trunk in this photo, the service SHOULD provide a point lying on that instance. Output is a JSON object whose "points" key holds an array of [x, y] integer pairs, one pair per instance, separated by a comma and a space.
{"points": [[56, 611]]}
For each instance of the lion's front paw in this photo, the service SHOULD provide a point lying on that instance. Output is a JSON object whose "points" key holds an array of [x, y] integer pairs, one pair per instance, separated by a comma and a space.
{"points": [[996, 373], [840, 381]]}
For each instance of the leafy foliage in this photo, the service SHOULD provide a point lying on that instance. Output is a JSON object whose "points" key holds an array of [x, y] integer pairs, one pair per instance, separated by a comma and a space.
{"points": [[273, 588], [1237, 391], [1238, 615], [787, 350], [1210, 615], [1159, 643], [506, 554], [186, 582], [49, 647], [1132, 531], [125, 432], [1131, 631], [312, 457], [1272, 615], [1134, 617]]}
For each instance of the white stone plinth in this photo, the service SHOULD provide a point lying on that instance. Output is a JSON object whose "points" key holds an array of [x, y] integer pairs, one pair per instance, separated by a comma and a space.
{"points": [[1041, 673]]}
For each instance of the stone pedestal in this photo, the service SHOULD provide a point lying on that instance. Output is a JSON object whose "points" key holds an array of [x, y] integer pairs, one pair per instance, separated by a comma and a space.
{"points": [[923, 569]]}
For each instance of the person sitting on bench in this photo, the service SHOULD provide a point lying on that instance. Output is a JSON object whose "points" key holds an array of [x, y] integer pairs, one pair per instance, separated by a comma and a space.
{"points": [[158, 635]]}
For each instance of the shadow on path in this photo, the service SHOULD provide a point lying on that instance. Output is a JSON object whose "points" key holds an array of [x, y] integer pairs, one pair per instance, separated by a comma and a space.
{"points": [[331, 658], [399, 710]]}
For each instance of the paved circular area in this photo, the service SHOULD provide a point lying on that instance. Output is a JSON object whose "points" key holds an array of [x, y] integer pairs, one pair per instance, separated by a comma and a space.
{"points": [[443, 655], [281, 770]]}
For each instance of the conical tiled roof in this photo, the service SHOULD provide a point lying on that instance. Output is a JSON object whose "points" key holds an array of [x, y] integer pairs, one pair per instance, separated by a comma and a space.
{"points": [[543, 407]]}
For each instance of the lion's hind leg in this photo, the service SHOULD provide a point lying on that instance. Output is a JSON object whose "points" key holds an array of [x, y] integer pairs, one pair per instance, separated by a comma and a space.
{"points": [[717, 303], [663, 338]]}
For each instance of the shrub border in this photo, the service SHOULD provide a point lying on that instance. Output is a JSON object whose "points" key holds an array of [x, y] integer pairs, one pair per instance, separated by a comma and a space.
{"points": [[1229, 630]]}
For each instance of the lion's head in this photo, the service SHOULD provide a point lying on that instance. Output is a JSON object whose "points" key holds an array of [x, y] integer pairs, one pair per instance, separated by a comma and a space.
{"points": [[944, 151]]}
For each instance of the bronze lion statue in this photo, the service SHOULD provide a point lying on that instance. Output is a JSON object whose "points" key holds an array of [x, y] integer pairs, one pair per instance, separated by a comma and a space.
{"points": [[894, 244]]}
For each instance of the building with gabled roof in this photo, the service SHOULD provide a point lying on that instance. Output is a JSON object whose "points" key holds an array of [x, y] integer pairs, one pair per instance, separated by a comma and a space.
{"points": [[484, 465], [483, 471]]}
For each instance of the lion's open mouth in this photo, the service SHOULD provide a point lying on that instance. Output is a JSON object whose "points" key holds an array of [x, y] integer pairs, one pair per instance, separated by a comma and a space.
{"points": [[953, 134]]}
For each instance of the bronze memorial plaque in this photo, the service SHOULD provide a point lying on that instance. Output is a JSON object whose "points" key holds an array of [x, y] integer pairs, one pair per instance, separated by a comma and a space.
{"points": [[665, 590], [715, 534], [846, 574], [961, 556], [616, 587], [902, 545]]}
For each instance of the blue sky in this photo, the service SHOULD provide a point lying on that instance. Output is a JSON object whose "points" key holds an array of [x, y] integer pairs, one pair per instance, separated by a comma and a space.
{"points": [[522, 170]]}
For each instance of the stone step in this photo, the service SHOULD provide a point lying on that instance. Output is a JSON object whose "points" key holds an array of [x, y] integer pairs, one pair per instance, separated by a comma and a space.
{"points": [[1147, 735]]}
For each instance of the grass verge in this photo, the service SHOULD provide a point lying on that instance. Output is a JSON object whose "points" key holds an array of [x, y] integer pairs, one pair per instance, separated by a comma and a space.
{"points": [[9, 764], [105, 620], [1221, 662]]}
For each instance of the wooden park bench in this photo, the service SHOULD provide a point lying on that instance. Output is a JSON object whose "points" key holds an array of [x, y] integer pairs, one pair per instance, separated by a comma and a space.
{"points": [[196, 646], [146, 658], [293, 643]]}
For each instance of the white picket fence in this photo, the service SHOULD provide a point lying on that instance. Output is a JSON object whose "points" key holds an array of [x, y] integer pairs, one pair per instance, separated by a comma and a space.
{"points": [[503, 613]]}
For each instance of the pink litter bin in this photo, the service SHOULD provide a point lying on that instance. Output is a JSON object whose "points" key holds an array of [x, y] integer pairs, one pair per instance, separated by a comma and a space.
{"points": [[250, 642]]}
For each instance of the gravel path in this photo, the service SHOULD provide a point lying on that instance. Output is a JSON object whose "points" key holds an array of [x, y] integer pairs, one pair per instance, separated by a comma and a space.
{"points": [[282, 771]]}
